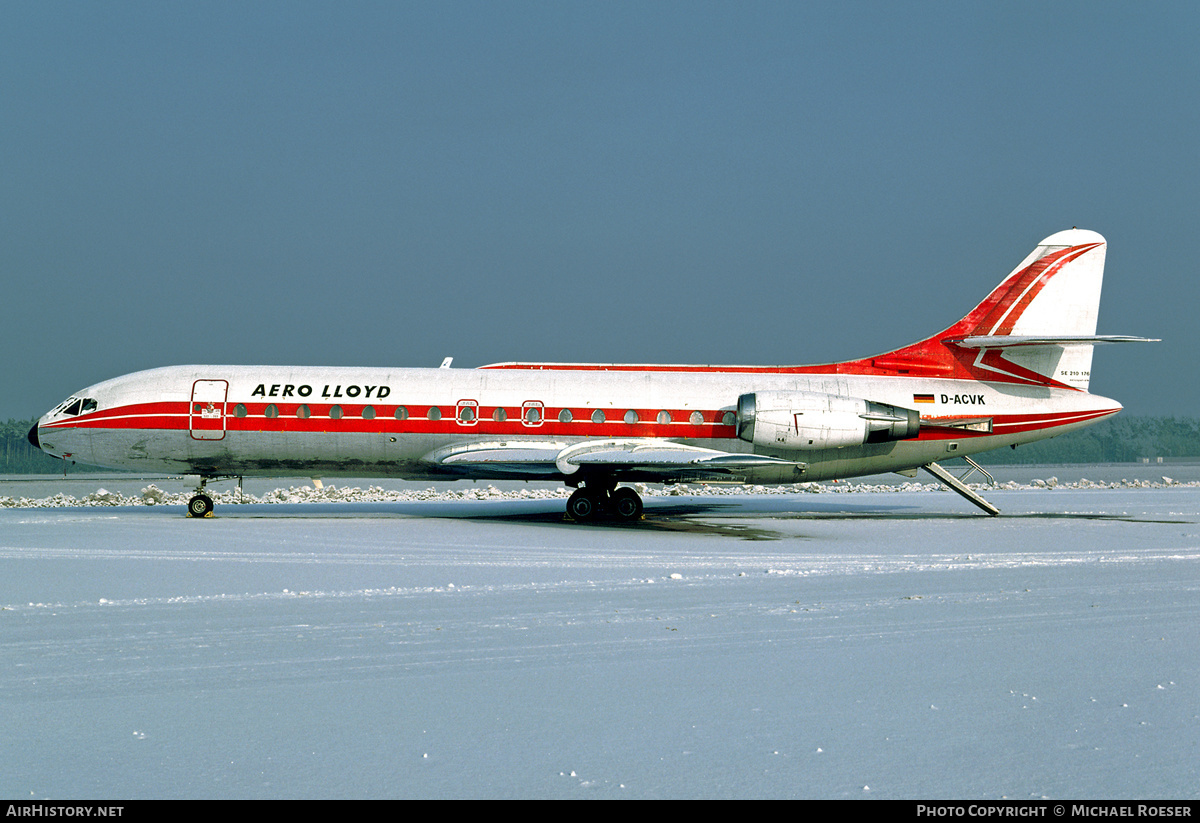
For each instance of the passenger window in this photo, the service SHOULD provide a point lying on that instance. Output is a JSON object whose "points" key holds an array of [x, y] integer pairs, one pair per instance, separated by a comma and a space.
{"points": [[664, 418], [564, 416], [303, 412], [401, 413], [239, 410], [499, 415], [696, 419], [728, 419], [335, 412], [631, 417], [597, 416], [531, 412], [467, 412], [434, 413], [271, 411], [368, 412]]}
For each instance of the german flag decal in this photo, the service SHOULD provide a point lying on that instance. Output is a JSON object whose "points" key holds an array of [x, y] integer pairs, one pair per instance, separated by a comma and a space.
{"points": [[922, 398]]}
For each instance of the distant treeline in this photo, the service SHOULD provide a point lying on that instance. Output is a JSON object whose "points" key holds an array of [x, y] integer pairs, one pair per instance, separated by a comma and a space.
{"points": [[1120, 439], [1117, 440]]}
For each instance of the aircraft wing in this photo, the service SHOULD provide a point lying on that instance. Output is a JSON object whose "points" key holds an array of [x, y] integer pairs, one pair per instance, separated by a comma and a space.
{"points": [[643, 458]]}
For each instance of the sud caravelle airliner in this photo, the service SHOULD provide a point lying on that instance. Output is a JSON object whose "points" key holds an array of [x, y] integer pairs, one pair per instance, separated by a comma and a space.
{"points": [[1016, 369]]}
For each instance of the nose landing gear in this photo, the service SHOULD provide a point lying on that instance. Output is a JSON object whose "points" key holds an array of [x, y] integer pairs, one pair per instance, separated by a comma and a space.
{"points": [[201, 505]]}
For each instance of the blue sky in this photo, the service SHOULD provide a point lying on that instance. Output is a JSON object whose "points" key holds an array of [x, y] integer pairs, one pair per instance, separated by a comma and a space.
{"points": [[393, 183]]}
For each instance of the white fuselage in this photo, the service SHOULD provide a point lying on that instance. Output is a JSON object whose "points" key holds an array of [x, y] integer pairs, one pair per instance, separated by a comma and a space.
{"points": [[287, 420]]}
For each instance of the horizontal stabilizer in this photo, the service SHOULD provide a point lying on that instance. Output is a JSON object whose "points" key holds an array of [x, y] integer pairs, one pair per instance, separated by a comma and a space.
{"points": [[1001, 341]]}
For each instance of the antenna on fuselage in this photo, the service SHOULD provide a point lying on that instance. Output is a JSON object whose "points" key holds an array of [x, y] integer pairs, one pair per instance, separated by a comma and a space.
{"points": [[446, 363]]}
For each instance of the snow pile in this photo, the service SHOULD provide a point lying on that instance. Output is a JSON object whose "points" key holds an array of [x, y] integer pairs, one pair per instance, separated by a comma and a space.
{"points": [[843, 487], [154, 496]]}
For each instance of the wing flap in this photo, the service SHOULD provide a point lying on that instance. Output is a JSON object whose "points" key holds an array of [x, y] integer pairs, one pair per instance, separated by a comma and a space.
{"points": [[554, 458], [500, 451], [655, 454]]}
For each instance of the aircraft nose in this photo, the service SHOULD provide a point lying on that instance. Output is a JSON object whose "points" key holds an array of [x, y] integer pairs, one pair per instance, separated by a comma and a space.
{"points": [[33, 437]]}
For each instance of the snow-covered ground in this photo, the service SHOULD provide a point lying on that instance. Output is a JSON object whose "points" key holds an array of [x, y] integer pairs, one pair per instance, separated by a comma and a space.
{"points": [[45, 491], [878, 643]]}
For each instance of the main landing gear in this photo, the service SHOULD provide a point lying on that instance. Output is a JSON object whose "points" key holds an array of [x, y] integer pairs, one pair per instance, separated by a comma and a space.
{"points": [[594, 501]]}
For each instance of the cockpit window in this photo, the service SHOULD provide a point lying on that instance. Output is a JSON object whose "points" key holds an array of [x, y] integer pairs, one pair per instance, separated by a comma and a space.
{"points": [[76, 405]]}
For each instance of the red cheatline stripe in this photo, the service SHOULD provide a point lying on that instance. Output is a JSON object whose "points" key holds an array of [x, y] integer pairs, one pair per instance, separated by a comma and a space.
{"points": [[174, 416], [1015, 424]]}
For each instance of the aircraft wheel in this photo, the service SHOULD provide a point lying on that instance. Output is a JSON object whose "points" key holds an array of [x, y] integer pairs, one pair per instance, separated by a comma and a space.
{"points": [[200, 506], [581, 506], [626, 504]]}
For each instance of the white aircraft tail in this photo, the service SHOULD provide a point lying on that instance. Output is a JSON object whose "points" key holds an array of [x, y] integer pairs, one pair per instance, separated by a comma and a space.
{"points": [[1037, 327]]}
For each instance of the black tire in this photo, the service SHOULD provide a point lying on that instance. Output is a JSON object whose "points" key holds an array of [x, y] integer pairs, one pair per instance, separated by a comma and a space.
{"points": [[200, 505], [626, 504], [581, 506]]}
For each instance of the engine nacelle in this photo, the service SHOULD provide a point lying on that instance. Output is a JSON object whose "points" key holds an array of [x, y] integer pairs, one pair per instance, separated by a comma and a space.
{"points": [[804, 420]]}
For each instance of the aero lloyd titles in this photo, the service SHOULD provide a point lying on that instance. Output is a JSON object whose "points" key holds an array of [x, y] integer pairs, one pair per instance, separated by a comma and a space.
{"points": [[303, 390]]}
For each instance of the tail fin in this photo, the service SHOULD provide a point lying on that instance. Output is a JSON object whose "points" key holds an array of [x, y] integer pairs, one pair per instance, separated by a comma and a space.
{"points": [[1037, 327], [1055, 291], [1045, 310]]}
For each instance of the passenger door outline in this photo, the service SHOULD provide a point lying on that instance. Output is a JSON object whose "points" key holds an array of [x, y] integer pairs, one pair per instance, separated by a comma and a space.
{"points": [[206, 412]]}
